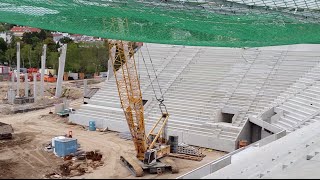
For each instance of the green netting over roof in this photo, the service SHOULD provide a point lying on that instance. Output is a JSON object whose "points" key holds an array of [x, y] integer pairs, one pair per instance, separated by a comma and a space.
{"points": [[227, 23]]}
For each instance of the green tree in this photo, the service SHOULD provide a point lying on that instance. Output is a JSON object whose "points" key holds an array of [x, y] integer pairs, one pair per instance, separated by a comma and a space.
{"points": [[42, 35], [27, 38], [73, 56], [53, 60], [5, 27], [10, 56], [35, 41], [3, 45], [52, 47], [36, 56], [13, 42], [65, 40], [2, 28], [26, 52]]}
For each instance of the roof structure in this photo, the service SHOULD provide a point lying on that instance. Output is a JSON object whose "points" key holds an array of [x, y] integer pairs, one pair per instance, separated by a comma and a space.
{"points": [[220, 23], [310, 4], [24, 29]]}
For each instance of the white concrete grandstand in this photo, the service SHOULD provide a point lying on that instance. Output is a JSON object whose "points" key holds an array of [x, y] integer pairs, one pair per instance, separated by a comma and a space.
{"points": [[211, 92], [295, 156]]}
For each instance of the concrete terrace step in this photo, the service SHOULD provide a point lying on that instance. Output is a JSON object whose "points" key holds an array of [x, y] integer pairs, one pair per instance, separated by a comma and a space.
{"points": [[198, 82]]}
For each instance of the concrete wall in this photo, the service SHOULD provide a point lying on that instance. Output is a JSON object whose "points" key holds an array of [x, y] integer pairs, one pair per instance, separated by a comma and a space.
{"points": [[265, 133], [255, 132], [277, 116], [220, 117], [185, 136], [266, 116], [265, 125], [193, 138], [226, 160], [245, 133], [208, 168]]}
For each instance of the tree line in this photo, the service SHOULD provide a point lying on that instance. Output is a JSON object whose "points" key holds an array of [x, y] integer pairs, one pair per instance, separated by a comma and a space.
{"points": [[84, 57]]}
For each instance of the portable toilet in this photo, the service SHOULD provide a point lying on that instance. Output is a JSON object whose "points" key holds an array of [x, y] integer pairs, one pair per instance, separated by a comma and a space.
{"points": [[64, 147]]}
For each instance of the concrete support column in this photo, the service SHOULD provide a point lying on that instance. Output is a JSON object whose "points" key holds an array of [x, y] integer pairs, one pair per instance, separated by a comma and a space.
{"points": [[43, 66], [12, 80], [62, 61], [26, 85], [35, 86], [110, 67], [11, 96], [18, 69], [85, 86], [11, 93]]}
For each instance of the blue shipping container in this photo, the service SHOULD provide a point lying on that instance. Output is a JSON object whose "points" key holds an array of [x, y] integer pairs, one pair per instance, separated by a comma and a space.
{"points": [[92, 125], [64, 147]]}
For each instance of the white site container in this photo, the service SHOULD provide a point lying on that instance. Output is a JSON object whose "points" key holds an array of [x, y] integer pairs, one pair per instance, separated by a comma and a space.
{"points": [[75, 76], [4, 70]]}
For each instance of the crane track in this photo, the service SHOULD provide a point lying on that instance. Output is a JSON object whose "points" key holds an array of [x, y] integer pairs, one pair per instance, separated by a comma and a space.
{"points": [[132, 165]]}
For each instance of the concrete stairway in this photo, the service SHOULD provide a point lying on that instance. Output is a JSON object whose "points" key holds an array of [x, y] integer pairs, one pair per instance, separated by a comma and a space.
{"points": [[290, 68], [252, 83], [300, 110], [188, 96], [197, 82], [187, 75]]}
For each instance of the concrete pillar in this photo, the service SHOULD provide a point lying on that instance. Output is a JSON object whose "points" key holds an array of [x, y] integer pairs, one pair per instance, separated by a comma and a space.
{"points": [[11, 96], [34, 86], [62, 61], [43, 66], [18, 69], [111, 61], [26, 85], [12, 80], [66, 103], [85, 86], [110, 67]]}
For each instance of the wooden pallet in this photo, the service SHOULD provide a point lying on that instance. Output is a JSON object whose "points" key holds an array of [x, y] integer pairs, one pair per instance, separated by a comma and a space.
{"points": [[185, 156]]}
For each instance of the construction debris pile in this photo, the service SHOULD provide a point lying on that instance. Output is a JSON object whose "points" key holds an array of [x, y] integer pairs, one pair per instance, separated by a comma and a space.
{"points": [[77, 165], [6, 131], [76, 161]]}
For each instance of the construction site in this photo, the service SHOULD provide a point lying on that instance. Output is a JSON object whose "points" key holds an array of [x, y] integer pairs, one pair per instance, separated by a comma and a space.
{"points": [[193, 89]]}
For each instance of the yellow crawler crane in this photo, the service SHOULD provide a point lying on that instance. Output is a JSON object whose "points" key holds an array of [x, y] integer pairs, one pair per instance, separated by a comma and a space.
{"points": [[151, 148]]}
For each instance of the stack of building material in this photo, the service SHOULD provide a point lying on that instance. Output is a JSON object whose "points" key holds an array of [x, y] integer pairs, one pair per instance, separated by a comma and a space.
{"points": [[6, 131]]}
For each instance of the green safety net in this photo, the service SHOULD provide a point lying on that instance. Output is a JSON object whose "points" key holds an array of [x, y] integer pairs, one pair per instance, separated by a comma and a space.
{"points": [[225, 23]]}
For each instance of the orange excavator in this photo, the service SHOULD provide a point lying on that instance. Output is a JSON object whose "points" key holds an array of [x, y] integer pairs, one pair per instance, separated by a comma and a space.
{"points": [[151, 148]]}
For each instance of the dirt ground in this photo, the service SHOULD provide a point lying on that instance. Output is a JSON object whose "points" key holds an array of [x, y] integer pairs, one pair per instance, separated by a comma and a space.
{"points": [[24, 156]]}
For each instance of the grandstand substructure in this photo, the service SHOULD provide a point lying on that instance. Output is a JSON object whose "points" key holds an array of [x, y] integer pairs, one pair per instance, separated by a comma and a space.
{"points": [[211, 93]]}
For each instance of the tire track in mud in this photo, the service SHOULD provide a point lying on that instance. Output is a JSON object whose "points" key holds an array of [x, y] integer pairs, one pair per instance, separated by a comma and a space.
{"points": [[111, 159], [7, 167]]}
